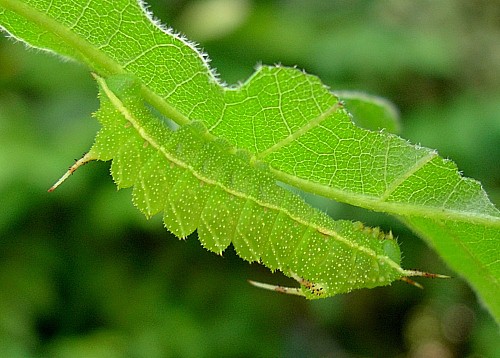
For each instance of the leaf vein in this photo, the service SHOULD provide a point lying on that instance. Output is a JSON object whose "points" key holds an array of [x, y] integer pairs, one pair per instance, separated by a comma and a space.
{"points": [[407, 174], [301, 131]]}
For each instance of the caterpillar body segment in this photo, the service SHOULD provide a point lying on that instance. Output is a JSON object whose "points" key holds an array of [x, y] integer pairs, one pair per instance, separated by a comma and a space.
{"points": [[202, 184]]}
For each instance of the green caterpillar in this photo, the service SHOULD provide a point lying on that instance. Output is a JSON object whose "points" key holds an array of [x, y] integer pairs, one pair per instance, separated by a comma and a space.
{"points": [[201, 183]]}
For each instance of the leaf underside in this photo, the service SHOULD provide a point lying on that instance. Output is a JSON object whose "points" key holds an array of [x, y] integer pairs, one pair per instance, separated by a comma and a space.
{"points": [[282, 117]]}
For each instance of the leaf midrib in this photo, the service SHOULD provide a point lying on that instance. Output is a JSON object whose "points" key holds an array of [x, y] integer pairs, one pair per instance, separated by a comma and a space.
{"points": [[377, 204]]}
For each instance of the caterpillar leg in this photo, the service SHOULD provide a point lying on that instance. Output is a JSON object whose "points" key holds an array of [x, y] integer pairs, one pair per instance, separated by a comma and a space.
{"points": [[315, 289], [277, 288]]}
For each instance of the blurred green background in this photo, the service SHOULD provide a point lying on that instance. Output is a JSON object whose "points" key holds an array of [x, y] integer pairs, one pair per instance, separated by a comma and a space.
{"points": [[84, 274]]}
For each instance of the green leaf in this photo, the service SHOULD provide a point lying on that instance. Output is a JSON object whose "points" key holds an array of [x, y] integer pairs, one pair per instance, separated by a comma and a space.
{"points": [[371, 112], [284, 118]]}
